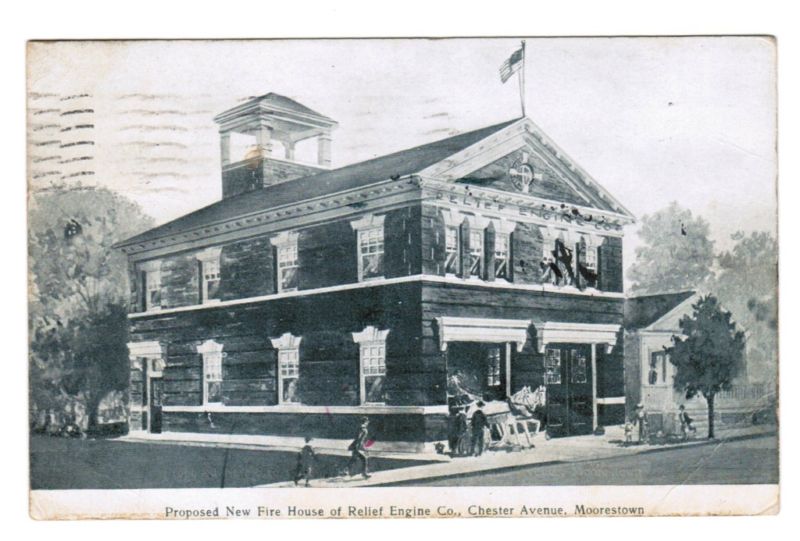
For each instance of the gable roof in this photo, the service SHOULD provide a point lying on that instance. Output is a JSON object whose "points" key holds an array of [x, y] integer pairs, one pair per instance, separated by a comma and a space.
{"points": [[283, 102], [403, 163], [641, 312]]}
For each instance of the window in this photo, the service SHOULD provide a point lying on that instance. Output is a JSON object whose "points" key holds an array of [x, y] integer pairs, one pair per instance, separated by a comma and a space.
{"points": [[288, 347], [501, 242], [288, 263], [578, 372], [370, 246], [657, 372], [453, 253], [552, 366], [210, 275], [493, 367], [211, 352], [151, 285], [372, 360], [289, 371], [475, 252]]}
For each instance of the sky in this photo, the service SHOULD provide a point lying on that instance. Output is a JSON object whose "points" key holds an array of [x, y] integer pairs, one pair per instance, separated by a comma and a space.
{"points": [[653, 120]]}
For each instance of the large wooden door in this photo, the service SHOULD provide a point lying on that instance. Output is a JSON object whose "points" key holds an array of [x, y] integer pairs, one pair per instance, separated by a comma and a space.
{"points": [[156, 399], [568, 377]]}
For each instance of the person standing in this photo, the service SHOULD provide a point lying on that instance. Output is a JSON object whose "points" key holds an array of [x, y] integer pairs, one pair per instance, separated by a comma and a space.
{"points": [[479, 425], [641, 420], [305, 463], [686, 422], [359, 449]]}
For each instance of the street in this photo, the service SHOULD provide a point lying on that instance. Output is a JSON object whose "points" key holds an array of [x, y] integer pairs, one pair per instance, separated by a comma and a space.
{"points": [[58, 463], [745, 461]]}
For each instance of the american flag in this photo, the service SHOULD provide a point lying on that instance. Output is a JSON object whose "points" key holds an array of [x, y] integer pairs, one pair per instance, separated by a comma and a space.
{"points": [[511, 65]]}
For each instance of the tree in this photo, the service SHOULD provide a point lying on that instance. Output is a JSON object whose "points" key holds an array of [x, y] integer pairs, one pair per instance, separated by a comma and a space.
{"points": [[676, 254], [709, 355], [747, 285], [78, 294]]}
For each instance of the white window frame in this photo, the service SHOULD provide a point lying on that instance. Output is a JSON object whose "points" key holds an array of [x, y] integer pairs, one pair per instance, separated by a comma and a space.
{"points": [[363, 227], [288, 347], [494, 367], [152, 282], [453, 219], [477, 227], [503, 229], [209, 259], [367, 339], [212, 355], [286, 257], [663, 370]]}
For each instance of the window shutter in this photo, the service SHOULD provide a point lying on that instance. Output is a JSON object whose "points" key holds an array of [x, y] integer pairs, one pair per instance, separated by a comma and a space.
{"points": [[488, 253], [464, 273]]}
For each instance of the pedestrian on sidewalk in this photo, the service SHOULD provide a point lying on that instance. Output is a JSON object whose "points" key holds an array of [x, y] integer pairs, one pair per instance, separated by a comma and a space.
{"points": [[479, 427], [359, 449], [305, 463], [640, 419], [686, 422]]}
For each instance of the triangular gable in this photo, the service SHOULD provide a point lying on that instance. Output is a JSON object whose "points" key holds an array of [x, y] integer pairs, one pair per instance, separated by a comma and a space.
{"points": [[521, 159], [670, 321]]}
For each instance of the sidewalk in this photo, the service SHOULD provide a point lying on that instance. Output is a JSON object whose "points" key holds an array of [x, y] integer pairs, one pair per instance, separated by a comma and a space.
{"points": [[559, 450]]}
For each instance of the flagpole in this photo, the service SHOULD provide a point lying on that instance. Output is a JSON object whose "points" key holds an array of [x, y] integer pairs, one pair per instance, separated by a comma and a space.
{"points": [[522, 80]]}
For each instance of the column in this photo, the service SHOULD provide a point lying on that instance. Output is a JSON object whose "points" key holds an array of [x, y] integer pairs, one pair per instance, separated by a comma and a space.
{"points": [[289, 150], [264, 140], [225, 148], [594, 387], [324, 149], [508, 369]]}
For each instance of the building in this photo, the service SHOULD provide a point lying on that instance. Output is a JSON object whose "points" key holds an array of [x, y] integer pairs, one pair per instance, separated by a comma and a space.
{"points": [[650, 323], [309, 297]]}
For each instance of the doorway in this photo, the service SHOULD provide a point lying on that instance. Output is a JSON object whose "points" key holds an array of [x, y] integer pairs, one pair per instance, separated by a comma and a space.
{"points": [[156, 396], [476, 371], [568, 378]]}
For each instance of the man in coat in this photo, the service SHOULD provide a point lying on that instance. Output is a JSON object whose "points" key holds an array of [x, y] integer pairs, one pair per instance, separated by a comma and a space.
{"points": [[359, 449], [479, 425]]}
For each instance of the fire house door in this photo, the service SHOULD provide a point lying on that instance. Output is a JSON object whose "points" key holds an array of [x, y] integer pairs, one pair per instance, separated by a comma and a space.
{"points": [[568, 377]]}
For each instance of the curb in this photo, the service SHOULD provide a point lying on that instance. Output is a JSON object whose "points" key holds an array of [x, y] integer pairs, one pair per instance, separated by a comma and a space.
{"points": [[502, 469]]}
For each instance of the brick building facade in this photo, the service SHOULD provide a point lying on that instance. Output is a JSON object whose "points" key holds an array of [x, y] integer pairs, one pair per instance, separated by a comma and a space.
{"points": [[309, 297]]}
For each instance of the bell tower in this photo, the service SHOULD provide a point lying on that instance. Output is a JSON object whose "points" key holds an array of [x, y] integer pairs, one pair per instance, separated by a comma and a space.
{"points": [[270, 139]]}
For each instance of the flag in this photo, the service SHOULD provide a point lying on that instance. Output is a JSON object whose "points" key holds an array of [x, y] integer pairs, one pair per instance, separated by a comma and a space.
{"points": [[511, 65]]}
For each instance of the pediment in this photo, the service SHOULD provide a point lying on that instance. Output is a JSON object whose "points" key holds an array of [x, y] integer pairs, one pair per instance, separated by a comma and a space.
{"points": [[521, 160]]}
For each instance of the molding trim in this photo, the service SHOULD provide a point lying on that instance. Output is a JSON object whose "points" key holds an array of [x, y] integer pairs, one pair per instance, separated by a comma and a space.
{"points": [[368, 221], [577, 333], [370, 334], [285, 238], [153, 265], [300, 408], [452, 217], [431, 278], [468, 329], [286, 341], [611, 400], [148, 350], [209, 254], [209, 346]]}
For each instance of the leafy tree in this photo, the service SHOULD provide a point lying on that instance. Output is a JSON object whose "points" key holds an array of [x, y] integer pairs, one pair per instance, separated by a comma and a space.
{"points": [[747, 285], [78, 293], [709, 355], [676, 254]]}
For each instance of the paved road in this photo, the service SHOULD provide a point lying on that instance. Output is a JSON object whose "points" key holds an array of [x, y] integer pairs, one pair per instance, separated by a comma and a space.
{"points": [[57, 463], [750, 461]]}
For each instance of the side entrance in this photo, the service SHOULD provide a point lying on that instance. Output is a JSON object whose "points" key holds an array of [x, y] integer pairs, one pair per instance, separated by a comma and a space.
{"points": [[568, 378]]}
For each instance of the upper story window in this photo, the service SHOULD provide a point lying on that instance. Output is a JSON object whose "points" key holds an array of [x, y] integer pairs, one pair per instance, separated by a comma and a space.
{"points": [[369, 231], [372, 362], [210, 275], [288, 347], [452, 264], [657, 370], [587, 263], [476, 252], [151, 285], [502, 248], [211, 352], [287, 261]]}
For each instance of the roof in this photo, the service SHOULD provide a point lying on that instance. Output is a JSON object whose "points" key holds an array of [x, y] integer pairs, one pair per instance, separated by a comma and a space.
{"points": [[403, 163], [641, 312], [285, 103]]}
